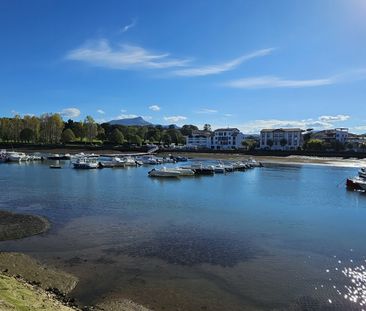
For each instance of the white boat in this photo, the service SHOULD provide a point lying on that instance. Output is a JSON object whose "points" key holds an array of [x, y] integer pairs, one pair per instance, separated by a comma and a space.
{"points": [[86, 163], [129, 161], [165, 172], [362, 172], [148, 160], [13, 156], [220, 169]]}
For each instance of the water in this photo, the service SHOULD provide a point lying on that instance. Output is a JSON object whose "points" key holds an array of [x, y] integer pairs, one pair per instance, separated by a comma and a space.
{"points": [[272, 238]]}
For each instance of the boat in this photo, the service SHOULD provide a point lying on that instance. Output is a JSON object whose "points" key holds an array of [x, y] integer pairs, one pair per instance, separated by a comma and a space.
{"points": [[356, 183], [55, 166], [240, 166], [164, 172], [129, 161], [86, 163], [220, 169], [200, 169], [362, 172], [13, 156]]}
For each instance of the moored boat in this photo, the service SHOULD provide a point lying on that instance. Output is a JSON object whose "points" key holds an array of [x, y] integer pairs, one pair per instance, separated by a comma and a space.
{"points": [[86, 163], [356, 183], [164, 172]]}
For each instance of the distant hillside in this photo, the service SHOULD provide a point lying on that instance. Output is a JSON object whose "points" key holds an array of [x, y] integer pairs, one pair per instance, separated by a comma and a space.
{"points": [[138, 121]]}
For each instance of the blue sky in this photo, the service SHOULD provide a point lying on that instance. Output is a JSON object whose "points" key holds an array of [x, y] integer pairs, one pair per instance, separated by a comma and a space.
{"points": [[249, 64]]}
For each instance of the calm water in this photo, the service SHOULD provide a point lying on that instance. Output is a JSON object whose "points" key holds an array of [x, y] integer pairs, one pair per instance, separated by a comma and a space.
{"points": [[272, 238]]}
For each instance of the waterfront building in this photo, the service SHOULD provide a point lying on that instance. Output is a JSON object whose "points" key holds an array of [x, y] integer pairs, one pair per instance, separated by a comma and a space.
{"points": [[199, 139], [281, 139], [226, 139], [332, 135]]}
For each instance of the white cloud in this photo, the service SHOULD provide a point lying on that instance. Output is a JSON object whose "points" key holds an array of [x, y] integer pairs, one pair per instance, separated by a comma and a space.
{"points": [[126, 116], [228, 115], [361, 128], [129, 26], [175, 119], [154, 108], [266, 82], [123, 110], [276, 82], [319, 123], [147, 118], [337, 118], [100, 111], [219, 68], [100, 53], [206, 111], [70, 112]]}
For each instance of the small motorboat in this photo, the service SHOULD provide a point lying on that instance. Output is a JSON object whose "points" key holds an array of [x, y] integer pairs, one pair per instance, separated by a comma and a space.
{"points": [[200, 169], [86, 163], [55, 166], [164, 172], [356, 183], [129, 161], [220, 169]]}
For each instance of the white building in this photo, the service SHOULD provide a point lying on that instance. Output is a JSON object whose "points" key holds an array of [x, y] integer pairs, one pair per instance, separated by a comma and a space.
{"points": [[281, 139], [199, 140], [226, 139], [337, 134]]}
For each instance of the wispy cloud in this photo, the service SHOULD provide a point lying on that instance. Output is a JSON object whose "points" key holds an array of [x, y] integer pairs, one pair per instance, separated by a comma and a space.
{"points": [[206, 111], [100, 111], [175, 119], [100, 53], [70, 112], [337, 118], [129, 26], [219, 68], [266, 82], [276, 82], [228, 115], [322, 122], [154, 108]]}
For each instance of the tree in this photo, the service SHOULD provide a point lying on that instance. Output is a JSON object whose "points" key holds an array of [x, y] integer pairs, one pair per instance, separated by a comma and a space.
{"points": [[187, 129], [27, 135], [283, 142], [135, 139], [314, 144], [117, 137], [207, 127], [250, 144], [78, 129], [90, 128], [270, 143], [166, 139], [67, 136]]}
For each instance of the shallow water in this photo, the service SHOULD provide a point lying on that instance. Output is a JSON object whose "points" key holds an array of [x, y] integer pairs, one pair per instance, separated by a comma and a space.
{"points": [[272, 238]]}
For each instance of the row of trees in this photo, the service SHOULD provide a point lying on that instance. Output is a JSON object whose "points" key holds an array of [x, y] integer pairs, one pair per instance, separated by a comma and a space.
{"points": [[51, 129], [48, 128]]}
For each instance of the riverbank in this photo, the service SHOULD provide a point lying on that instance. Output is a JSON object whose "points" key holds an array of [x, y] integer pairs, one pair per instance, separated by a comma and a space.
{"points": [[25, 284]]}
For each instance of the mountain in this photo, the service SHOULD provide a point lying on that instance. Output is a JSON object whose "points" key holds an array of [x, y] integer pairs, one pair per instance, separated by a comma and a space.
{"points": [[138, 121]]}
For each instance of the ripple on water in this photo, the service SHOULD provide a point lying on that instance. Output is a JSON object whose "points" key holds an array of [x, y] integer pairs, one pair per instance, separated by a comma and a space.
{"points": [[188, 246]]}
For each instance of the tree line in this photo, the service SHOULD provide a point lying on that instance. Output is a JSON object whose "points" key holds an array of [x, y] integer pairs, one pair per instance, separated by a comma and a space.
{"points": [[50, 128]]}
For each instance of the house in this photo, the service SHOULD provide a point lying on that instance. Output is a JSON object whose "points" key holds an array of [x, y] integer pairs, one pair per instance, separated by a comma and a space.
{"points": [[332, 135], [199, 139], [226, 139], [281, 139]]}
